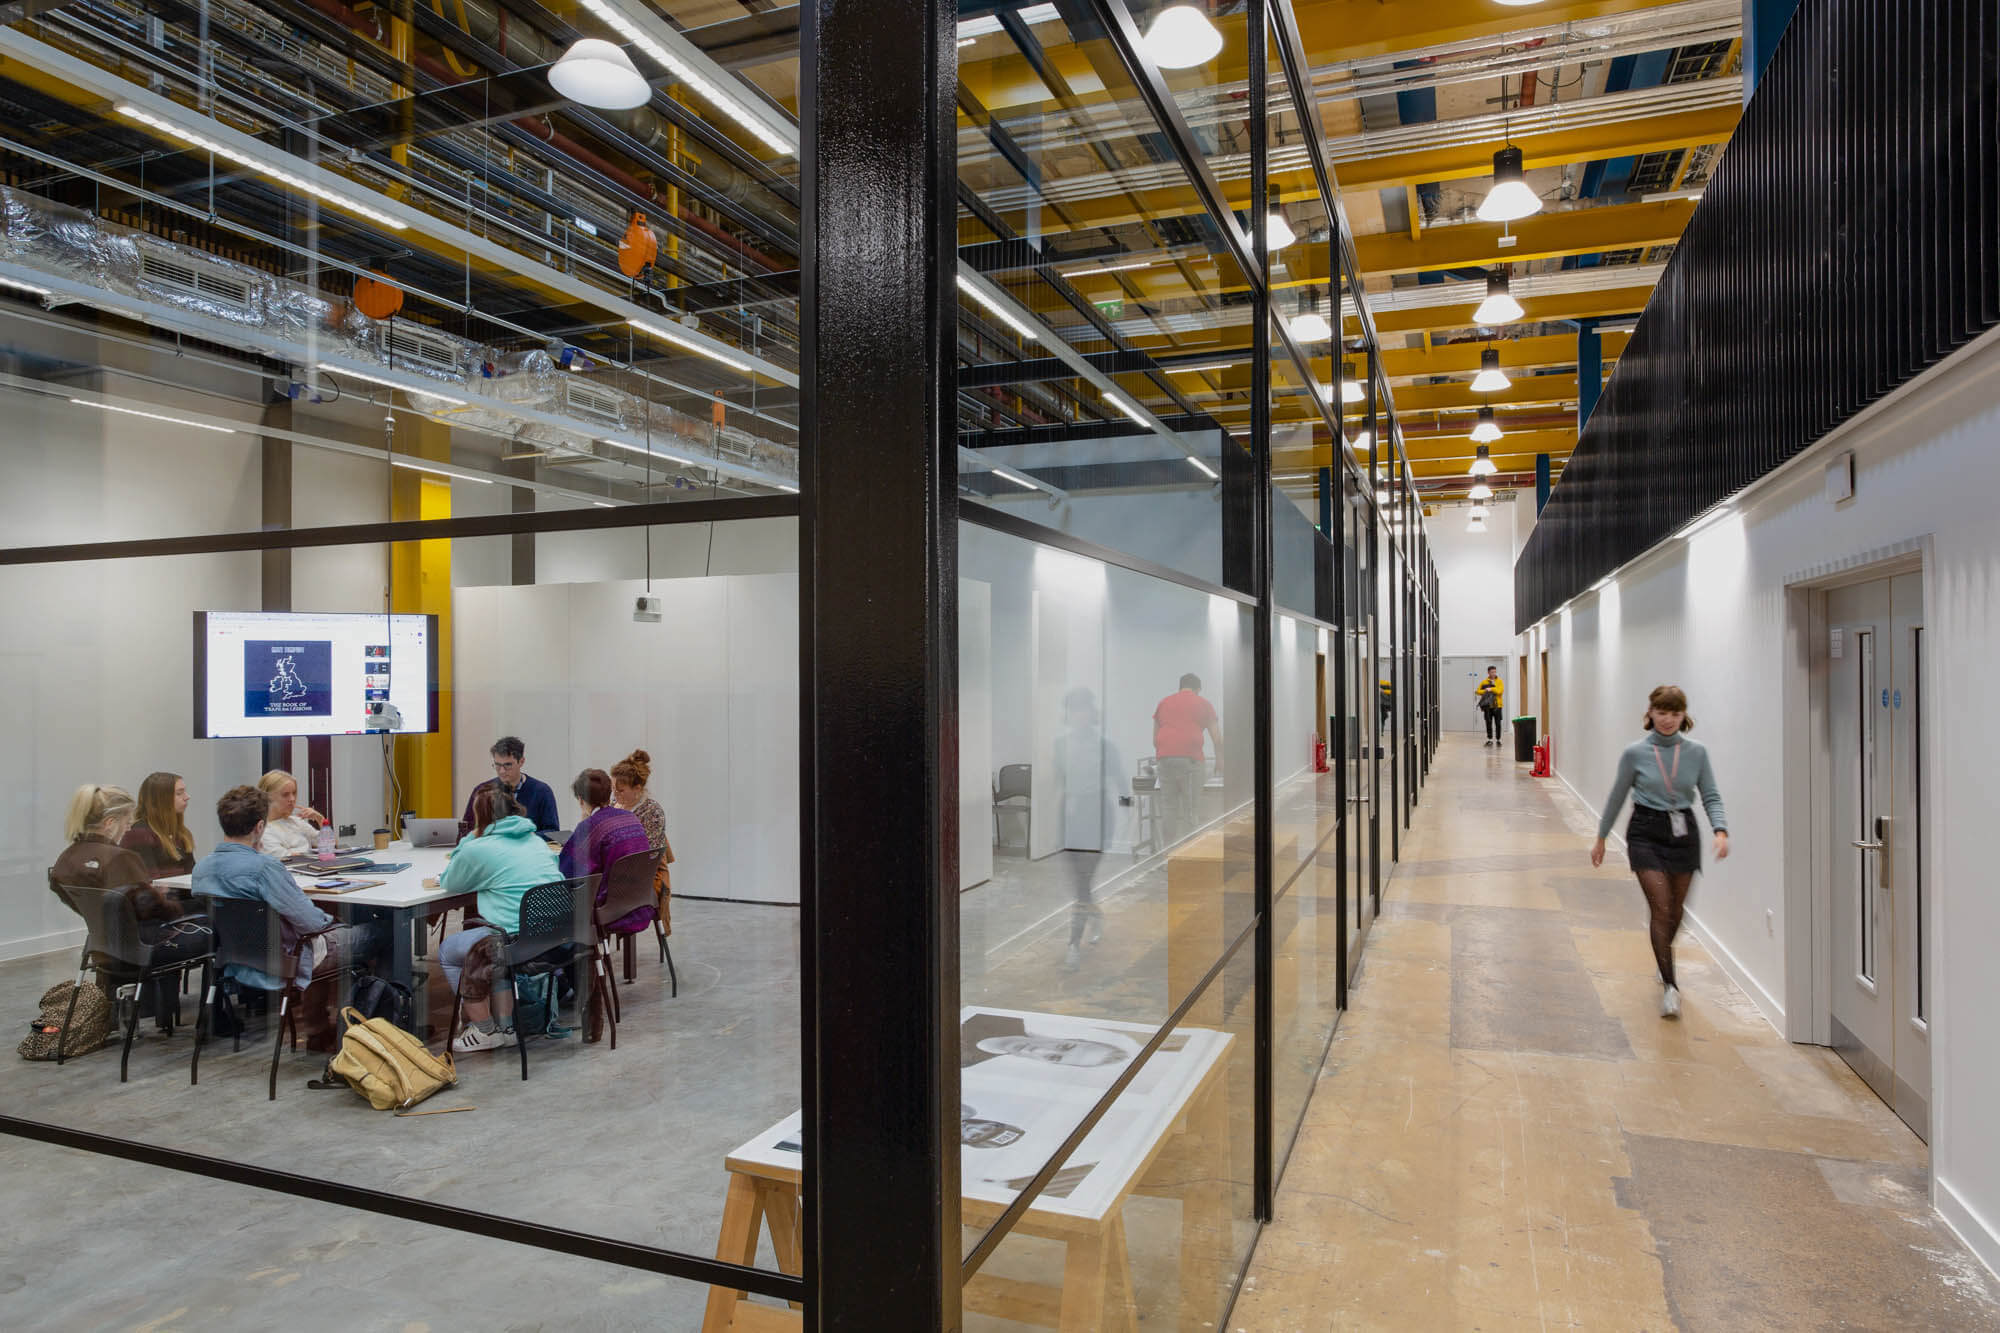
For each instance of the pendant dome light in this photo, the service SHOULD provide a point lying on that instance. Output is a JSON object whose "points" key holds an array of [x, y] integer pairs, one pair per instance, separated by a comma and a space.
{"points": [[1510, 198], [1278, 233], [1488, 429], [1483, 465], [1477, 525], [1477, 511], [593, 72], [1181, 36], [1480, 491], [1309, 326], [1351, 388], [1499, 307], [1490, 379]]}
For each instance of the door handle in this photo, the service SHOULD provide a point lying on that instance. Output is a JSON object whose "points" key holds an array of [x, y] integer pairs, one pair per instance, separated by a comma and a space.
{"points": [[1879, 844]]}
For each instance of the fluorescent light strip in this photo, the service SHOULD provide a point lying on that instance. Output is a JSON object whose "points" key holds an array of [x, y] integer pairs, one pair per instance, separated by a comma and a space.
{"points": [[686, 73], [1126, 408], [787, 488], [690, 344], [1110, 268], [601, 504], [1016, 478], [1195, 370], [1206, 470], [241, 159], [986, 23], [440, 472], [151, 416], [27, 287], [363, 375], [650, 453], [994, 308]]}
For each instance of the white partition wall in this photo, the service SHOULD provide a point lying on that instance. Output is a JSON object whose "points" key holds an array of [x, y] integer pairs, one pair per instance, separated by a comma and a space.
{"points": [[711, 692], [975, 732]]}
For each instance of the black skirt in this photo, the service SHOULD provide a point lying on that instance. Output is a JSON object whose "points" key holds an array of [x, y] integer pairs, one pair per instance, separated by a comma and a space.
{"points": [[1650, 843]]}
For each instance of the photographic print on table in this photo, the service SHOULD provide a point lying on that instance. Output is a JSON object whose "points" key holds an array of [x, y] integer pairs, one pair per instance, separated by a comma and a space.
{"points": [[1064, 1051]]}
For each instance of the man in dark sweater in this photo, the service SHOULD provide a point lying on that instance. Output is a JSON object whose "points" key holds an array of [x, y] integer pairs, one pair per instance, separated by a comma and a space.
{"points": [[533, 795]]}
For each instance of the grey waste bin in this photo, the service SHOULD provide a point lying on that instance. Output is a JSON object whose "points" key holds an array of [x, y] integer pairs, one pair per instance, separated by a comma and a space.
{"points": [[1525, 736]]}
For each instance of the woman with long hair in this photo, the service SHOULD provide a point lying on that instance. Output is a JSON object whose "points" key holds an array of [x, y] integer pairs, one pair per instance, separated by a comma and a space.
{"points": [[1664, 772], [97, 822], [161, 835]]}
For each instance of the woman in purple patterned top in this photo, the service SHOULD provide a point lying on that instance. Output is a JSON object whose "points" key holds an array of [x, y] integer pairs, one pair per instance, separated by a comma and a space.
{"points": [[604, 835]]}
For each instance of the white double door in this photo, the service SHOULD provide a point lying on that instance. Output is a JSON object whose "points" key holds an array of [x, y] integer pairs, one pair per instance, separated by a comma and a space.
{"points": [[1877, 895]]}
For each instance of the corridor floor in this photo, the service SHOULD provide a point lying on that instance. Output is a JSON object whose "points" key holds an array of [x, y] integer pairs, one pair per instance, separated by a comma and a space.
{"points": [[1507, 1136]]}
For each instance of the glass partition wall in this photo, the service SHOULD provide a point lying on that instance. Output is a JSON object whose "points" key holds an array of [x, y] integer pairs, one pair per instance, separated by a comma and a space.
{"points": [[910, 508]]}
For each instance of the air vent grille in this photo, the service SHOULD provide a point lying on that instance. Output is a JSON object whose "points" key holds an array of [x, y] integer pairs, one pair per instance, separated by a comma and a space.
{"points": [[589, 400], [190, 277], [414, 345]]}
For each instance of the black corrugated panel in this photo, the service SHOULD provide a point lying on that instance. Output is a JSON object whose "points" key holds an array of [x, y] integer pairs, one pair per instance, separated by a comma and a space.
{"points": [[1849, 239]]}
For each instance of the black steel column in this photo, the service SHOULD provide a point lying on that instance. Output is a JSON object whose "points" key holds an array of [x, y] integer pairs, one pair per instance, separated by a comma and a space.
{"points": [[1371, 603], [275, 473], [1399, 685], [1262, 1169], [878, 586]]}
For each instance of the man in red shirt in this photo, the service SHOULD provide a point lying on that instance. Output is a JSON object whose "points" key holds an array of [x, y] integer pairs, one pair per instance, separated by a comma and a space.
{"points": [[1180, 724]]}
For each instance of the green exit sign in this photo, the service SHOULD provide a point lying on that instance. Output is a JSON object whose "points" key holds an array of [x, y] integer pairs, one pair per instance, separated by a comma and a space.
{"points": [[1112, 309]]}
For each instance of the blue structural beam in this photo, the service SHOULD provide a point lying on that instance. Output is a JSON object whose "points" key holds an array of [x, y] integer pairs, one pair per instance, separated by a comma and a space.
{"points": [[1541, 483], [1589, 371], [1764, 23]]}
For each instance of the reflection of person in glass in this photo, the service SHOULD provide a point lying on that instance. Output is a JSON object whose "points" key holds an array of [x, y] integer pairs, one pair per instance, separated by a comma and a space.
{"points": [[1085, 763], [1071, 1051], [974, 1132], [1180, 723]]}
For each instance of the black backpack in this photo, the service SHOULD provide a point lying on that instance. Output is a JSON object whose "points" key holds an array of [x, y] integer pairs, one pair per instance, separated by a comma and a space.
{"points": [[376, 997]]}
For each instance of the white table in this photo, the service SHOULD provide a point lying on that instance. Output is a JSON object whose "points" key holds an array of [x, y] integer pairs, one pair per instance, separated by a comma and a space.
{"points": [[401, 899]]}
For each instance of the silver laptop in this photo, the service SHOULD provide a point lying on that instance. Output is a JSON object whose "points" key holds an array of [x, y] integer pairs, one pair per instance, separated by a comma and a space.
{"points": [[431, 832]]}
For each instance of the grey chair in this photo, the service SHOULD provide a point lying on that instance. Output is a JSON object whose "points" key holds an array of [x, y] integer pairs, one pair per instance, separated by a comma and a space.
{"points": [[1013, 789], [556, 932]]}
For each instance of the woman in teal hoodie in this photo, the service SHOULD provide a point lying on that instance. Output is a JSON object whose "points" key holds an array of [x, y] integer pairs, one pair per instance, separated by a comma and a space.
{"points": [[501, 861]]}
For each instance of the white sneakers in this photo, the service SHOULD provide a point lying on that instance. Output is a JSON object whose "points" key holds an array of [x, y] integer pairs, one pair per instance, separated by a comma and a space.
{"points": [[1670, 1002], [472, 1039]]}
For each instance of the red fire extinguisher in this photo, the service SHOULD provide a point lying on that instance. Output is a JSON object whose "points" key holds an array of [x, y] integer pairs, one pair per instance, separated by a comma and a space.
{"points": [[1544, 758], [1319, 754]]}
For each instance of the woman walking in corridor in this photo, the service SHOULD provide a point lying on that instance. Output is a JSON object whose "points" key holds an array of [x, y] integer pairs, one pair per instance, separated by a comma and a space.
{"points": [[1664, 771]]}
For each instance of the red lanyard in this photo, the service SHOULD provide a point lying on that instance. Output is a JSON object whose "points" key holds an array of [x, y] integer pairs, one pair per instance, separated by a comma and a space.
{"points": [[1661, 765]]}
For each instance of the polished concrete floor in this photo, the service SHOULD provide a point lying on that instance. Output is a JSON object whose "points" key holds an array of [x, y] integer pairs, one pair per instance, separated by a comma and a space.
{"points": [[1507, 1136]]}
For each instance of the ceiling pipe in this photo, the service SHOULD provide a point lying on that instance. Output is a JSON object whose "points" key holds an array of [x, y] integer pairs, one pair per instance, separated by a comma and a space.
{"points": [[645, 124]]}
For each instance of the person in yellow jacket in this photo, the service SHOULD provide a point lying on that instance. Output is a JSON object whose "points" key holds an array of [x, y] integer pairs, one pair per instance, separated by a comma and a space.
{"points": [[1489, 692]]}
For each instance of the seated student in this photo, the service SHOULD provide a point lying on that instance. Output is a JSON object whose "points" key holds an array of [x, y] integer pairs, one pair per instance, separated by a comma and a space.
{"points": [[536, 799], [290, 829], [98, 818], [161, 837], [603, 836], [628, 788], [236, 869], [501, 861]]}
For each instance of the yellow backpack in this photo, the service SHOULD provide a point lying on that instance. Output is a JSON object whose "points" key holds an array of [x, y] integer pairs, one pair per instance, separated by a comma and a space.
{"points": [[387, 1065]]}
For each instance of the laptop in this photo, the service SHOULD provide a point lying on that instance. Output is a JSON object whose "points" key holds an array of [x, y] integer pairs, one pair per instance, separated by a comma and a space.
{"points": [[431, 832]]}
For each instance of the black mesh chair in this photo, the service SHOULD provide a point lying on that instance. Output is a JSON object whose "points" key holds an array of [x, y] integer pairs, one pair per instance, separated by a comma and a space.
{"points": [[115, 947], [249, 934], [555, 933], [630, 883], [1016, 782]]}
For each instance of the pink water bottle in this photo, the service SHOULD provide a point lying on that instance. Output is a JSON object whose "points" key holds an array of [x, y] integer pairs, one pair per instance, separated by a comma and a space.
{"points": [[326, 841]]}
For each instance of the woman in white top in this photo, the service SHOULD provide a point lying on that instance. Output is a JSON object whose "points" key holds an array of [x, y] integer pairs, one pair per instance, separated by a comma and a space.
{"points": [[290, 829]]}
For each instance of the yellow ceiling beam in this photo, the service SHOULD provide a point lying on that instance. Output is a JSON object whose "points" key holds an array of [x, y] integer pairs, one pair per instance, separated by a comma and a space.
{"points": [[1528, 390], [1440, 463], [1467, 161], [1352, 29], [1548, 235], [1554, 349], [1536, 310]]}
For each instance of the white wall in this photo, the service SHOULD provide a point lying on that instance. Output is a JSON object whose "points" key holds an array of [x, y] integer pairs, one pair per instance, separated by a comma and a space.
{"points": [[96, 667], [711, 692], [1710, 614]]}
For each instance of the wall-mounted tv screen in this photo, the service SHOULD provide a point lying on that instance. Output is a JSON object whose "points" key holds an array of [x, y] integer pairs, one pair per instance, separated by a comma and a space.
{"points": [[313, 673]]}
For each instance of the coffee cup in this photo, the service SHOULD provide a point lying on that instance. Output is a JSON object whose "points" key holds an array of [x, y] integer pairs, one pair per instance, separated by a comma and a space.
{"points": [[381, 839]]}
